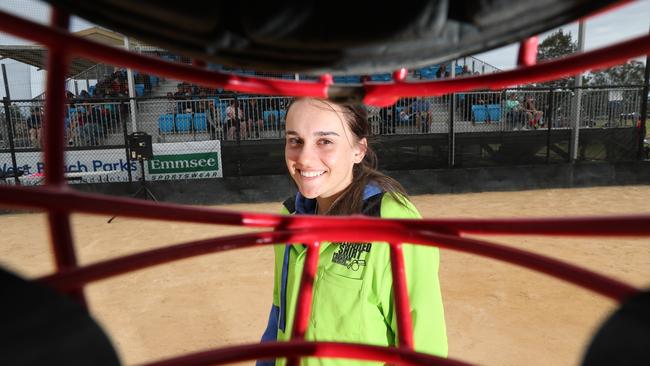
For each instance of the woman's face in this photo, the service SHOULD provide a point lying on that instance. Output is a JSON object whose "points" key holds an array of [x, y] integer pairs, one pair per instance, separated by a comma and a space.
{"points": [[320, 149]]}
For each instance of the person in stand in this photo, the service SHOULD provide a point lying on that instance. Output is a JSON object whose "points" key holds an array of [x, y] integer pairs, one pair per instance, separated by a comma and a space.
{"points": [[34, 125], [534, 116], [254, 118], [234, 116]]}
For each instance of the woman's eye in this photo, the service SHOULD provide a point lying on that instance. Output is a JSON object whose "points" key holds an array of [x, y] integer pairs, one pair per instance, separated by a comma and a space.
{"points": [[325, 142], [293, 141]]}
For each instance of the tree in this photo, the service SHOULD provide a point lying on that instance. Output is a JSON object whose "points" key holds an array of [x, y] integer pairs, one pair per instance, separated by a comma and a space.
{"points": [[558, 44], [630, 73]]}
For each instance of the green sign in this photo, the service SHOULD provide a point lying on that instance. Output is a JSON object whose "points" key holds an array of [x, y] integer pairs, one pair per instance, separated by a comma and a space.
{"points": [[184, 163]]}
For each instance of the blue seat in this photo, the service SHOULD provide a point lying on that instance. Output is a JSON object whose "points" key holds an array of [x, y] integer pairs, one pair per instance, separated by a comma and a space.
{"points": [[353, 79], [166, 123], [200, 122], [183, 122], [267, 118], [381, 77], [429, 72], [494, 112], [139, 90], [479, 113], [221, 107]]}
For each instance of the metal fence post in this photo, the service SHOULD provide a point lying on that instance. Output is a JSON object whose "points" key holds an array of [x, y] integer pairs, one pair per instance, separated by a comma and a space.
{"points": [[644, 108], [10, 127], [126, 148], [452, 111], [550, 108], [575, 132], [451, 141], [238, 129]]}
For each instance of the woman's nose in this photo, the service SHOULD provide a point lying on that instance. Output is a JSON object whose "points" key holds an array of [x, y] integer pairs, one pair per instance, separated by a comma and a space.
{"points": [[306, 155]]}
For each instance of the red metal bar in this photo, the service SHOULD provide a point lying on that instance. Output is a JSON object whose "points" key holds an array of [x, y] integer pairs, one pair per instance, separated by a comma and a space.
{"points": [[400, 75], [528, 52], [58, 218], [305, 297], [401, 297], [57, 67], [49, 198], [376, 93], [303, 306], [99, 52], [603, 285], [270, 350], [199, 63], [543, 71]]}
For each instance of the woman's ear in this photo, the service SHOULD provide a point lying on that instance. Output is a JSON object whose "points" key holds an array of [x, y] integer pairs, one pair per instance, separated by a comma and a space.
{"points": [[360, 150]]}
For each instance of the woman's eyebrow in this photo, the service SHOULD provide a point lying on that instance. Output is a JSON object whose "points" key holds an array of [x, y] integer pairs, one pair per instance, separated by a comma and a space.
{"points": [[326, 133], [318, 133]]}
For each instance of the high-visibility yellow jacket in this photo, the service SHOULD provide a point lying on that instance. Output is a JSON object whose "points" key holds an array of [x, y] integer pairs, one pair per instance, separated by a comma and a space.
{"points": [[353, 289]]}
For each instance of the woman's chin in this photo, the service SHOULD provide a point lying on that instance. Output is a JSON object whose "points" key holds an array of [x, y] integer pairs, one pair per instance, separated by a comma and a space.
{"points": [[310, 194]]}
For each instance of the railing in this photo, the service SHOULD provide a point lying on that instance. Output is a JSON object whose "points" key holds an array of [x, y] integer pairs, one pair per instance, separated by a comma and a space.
{"points": [[490, 128], [99, 122]]}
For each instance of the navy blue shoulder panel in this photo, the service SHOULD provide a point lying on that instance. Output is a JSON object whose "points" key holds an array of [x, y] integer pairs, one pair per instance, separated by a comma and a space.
{"points": [[372, 205], [290, 204]]}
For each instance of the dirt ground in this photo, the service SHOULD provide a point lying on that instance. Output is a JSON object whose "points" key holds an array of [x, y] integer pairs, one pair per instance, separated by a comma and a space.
{"points": [[497, 314]]}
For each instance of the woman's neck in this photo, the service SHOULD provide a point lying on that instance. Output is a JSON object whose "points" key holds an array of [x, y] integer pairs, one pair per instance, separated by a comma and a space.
{"points": [[323, 204]]}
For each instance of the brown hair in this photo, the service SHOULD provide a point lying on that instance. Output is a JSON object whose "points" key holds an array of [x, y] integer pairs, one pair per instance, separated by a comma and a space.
{"points": [[350, 201]]}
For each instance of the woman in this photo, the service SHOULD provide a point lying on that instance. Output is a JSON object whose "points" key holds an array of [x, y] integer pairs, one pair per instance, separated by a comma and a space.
{"points": [[534, 116], [328, 157], [234, 115]]}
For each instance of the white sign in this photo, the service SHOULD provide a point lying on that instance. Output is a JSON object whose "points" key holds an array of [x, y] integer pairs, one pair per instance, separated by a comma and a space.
{"points": [[171, 161]]}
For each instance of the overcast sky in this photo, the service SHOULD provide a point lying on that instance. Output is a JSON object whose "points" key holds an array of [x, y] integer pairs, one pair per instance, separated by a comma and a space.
{"points": [[625, 22]]}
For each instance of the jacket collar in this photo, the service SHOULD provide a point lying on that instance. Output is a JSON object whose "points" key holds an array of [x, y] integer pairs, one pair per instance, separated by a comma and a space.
{"points": [[307, 206]]}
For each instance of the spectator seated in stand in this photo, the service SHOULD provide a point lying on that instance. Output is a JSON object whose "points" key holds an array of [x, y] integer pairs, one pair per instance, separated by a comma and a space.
{"points": [[254, 118], [234, 116], [534, 115], [515, 114], [421, 110], [34, 124]]}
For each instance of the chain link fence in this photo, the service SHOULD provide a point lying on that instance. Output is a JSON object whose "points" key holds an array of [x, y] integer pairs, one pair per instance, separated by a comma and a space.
{"points": [[490, 128]]}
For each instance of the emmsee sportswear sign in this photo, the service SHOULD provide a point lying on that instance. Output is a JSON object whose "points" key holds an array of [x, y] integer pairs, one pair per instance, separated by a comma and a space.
{"points": [[183, 160], [186, 160]]}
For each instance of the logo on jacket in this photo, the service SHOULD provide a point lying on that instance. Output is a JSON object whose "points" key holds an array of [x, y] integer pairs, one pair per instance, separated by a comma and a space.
{"points": [[351, 255]]}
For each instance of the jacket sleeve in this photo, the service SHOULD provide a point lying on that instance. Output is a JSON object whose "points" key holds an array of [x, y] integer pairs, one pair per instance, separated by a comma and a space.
{"points": [[271, 332], [421, 266]]}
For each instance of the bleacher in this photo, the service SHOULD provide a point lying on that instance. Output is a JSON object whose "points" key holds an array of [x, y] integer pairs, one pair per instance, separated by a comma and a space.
{"points": [[482, 113]]}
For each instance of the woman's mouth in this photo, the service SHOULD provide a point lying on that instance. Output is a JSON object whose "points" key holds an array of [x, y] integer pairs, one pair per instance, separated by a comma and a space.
{"points": [[310, 173]]}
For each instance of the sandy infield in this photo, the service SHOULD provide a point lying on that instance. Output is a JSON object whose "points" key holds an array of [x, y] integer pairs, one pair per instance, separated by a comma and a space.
{"points": [[497, 314]]}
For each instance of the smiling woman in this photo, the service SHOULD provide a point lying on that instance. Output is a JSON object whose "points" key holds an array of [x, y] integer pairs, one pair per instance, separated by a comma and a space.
{"points": [[328, 156]]}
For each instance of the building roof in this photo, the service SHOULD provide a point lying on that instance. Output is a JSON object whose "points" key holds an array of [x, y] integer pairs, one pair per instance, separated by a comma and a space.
{"points": [[36, 55]]}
